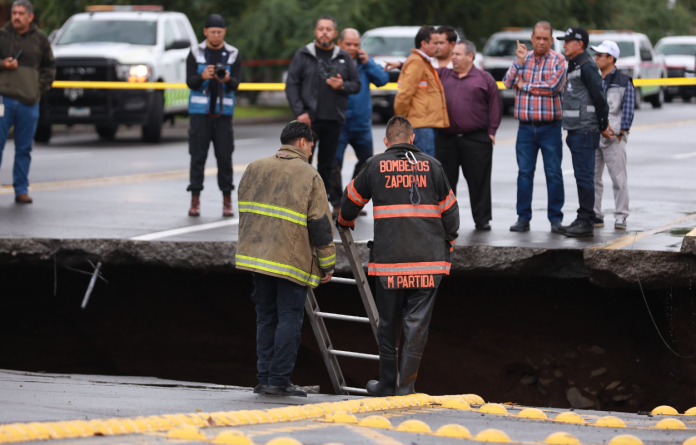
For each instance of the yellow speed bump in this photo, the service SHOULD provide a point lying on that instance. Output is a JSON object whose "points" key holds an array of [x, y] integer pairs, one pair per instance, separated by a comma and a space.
{"points": [[492, 435], [690, 412], [670, 424], [232, 437], [340, 417], [610, 421], [493, 408], [413, 426], [478, 400], [625, 439], [453, 430], [562, 438], [690, 441], [375, 422], [456, 404], [532, 413], [665, 411], [186, 432], [569, 417], [283, 441]]}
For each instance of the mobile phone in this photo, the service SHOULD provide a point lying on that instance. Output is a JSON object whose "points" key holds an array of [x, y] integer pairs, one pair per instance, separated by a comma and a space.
{"points": [[332, 71], [19, 54]]}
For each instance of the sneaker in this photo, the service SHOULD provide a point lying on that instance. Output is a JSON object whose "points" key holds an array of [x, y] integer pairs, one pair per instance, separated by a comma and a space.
{"points": [[288, 391], [556, 227], [577, 229], [520, 226], [620, 224], [260, 389], [598, 222]]}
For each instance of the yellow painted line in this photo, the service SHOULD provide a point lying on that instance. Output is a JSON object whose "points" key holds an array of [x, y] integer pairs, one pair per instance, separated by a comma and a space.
{"points": [[375, 436], [692, 233], [25, 432], [624, 241]]}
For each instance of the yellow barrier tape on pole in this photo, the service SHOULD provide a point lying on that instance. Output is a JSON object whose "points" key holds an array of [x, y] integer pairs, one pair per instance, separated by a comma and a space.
{"points": [[675, 81]]}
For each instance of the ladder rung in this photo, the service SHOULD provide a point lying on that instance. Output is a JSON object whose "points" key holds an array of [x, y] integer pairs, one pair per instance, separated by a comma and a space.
{"points": [[354, 390], [354, 354], [343, 280], [342, 317]]}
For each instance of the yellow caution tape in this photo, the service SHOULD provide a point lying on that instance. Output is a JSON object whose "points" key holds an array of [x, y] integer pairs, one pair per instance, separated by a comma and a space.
{"points": [[674, 81]]}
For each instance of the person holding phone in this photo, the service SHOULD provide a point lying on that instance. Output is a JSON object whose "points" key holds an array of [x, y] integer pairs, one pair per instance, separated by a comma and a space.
{"points": [[320, 79], [28, 70], [357, 129]]}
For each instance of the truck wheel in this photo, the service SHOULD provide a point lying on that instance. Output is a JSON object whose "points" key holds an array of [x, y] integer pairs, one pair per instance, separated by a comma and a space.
{"points": [[152, 131], [43, 133], [658, 99], [686, 98], [107, 131], [668, 98]]}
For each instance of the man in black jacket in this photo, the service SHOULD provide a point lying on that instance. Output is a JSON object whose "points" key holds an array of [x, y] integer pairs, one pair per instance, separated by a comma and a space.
{"points": [[416, 223], [320, 78]]}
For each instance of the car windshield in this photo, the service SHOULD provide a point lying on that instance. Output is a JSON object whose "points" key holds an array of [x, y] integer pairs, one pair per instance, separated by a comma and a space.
{"points": [[387, 46], [504, 47], [676, 49], [627, 49], [113, 31]]}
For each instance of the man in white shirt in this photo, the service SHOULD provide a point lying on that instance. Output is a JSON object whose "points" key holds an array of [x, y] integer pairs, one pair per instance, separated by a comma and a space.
{"points": [[446, 41]]}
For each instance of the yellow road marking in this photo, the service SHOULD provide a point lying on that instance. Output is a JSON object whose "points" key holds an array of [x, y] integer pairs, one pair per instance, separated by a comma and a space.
{"points": [[287, 429], [376, 436], [692, 233], [624, 241]]}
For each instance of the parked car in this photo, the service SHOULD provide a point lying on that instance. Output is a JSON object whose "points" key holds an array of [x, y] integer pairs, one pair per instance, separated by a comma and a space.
{"points": [[637, 60], [679, 54], [392, 43], [499, 53], [132, 44]]}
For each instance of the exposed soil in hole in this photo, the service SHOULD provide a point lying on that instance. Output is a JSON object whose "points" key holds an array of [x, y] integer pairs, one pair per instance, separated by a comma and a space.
{"points": [[556, 343]]}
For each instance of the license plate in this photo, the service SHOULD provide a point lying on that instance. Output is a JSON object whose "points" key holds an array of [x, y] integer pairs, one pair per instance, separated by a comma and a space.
{"points": [[79, 111]]}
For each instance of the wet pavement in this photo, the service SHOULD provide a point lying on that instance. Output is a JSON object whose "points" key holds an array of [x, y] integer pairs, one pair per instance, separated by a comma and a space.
{"points": [[84, 187]]}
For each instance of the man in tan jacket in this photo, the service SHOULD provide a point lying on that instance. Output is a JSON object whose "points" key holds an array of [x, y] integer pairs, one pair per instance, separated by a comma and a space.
{"points": [[284, 218], [421, 98]]}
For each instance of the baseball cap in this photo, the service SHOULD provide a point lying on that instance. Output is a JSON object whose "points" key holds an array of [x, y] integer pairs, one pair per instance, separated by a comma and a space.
{"points": [[215, 21], [576, 33], [608, 47]]}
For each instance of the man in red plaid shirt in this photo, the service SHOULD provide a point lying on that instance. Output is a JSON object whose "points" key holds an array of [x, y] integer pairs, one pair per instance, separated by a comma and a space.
{"points": [[539, 78]]}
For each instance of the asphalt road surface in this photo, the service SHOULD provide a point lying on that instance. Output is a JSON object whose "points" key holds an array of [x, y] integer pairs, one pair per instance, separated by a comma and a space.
{"points": [[84, 187]]}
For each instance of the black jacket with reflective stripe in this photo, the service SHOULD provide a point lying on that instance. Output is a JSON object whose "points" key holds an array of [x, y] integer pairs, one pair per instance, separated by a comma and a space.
{"points": [[416, 213]]}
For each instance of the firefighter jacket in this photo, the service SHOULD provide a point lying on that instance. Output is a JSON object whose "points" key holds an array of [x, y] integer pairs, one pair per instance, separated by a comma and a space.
{"points": [[416, 216], [284, 218]]}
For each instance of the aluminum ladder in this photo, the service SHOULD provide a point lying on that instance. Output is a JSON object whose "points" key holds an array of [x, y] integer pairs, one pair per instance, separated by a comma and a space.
{"points": [[316, 318]]}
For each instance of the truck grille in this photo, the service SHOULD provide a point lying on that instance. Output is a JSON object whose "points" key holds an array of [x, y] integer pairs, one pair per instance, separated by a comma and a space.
{"points": [[675, 72], [85, 69], [497, 73]]}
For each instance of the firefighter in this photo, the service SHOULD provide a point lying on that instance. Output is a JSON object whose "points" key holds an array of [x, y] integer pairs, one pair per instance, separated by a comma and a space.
{"points": [[416, 222]]}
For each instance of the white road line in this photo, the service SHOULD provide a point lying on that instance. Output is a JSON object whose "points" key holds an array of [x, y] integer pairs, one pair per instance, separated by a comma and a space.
{"points": [[250, 141], [685, 155], [183, 230], [567, 172], [50, 156]]}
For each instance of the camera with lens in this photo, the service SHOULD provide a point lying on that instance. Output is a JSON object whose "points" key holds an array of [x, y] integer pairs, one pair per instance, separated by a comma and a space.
{"points": [[220, 70]]}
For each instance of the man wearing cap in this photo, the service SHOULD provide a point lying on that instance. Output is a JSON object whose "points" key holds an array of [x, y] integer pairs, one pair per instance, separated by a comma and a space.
{"points": [[585, 115], [621, 98], [211, 106]]}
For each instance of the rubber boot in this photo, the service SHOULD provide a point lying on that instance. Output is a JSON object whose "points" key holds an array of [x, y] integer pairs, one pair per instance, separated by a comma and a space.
{"points": [[195, 209], [408, 373], [386, 386]]}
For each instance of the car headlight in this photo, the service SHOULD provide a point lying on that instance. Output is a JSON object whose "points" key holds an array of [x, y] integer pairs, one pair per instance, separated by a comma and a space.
{"points": [[133, 73]]}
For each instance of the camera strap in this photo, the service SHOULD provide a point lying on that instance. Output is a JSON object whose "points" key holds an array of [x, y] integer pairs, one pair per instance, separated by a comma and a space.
{"points": [[221, 98]]}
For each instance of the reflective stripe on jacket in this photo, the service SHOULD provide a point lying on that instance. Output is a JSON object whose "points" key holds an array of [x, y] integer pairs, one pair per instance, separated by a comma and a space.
{"points": [[199, 98], [411, 238], [284, 218]]}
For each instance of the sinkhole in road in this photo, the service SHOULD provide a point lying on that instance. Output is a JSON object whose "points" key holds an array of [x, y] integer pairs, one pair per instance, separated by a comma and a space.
{"points": [[538, 342]]}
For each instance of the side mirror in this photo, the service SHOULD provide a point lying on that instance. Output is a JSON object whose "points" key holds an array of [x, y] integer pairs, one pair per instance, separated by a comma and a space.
{"points": [[178, 44], [646, 56]]}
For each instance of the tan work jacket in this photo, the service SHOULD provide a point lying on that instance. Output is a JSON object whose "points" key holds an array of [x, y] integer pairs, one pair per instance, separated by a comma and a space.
{"points": [[421, 98], [284, 218]]}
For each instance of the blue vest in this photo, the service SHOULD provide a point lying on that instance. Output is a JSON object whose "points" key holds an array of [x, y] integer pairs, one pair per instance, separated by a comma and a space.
{"points": [[199, 99]]}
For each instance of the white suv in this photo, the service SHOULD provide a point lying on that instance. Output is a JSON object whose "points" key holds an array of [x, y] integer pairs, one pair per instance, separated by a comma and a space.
{"points": [[679, 54], [637, 60], [125, 46]]}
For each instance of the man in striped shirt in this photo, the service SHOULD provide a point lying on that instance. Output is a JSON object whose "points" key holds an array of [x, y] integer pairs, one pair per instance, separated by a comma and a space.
{"points": [[538, 77]]}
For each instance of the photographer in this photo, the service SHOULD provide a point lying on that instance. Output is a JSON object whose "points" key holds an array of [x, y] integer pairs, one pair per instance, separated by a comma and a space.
{"points": [[320, 78], [212, 74]]}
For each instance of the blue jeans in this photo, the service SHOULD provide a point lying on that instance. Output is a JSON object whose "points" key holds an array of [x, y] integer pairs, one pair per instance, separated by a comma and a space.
{"points": [[24, 118], [425, 140], [361, 141], [582, 146], [549, 140], [279, 314]]}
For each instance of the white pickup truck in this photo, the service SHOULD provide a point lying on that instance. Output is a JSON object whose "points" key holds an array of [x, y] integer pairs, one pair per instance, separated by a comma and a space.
{"points": [[119, 44]]}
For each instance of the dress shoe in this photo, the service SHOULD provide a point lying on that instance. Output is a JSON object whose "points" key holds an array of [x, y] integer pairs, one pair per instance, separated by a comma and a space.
{"points": [[556, 227], [288, 391], [260, 389], [520, 226], [578, 229], [484, 226], [23, 199], [227, 206], [195, 209], [598, 222], [386, 385]]}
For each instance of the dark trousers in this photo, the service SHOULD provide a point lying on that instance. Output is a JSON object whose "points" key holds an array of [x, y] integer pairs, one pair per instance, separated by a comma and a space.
{"points": [[361, 141], [279, 314], [582, 146], [328, 133], [407, 310], [474, 153], [218, 130]]}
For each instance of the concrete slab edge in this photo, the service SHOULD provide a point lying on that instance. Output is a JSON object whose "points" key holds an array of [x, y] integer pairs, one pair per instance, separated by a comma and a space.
{"points": [[32, 431]]}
